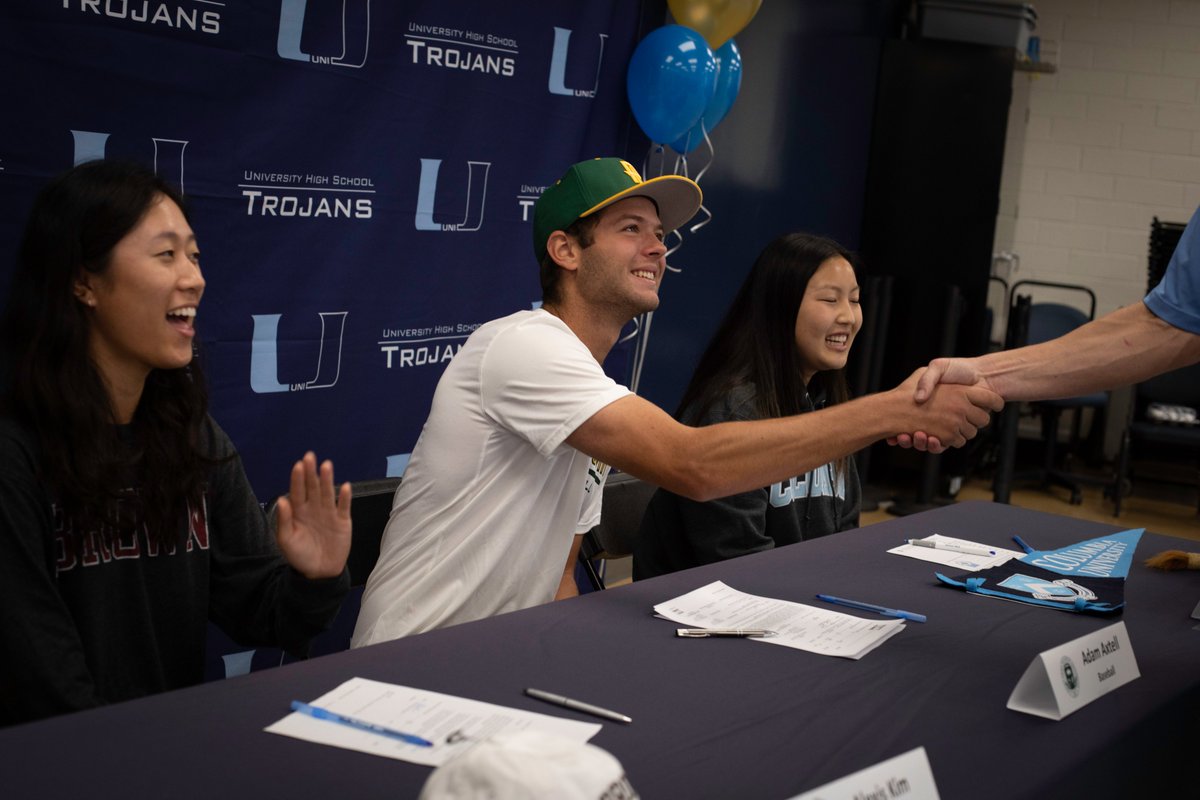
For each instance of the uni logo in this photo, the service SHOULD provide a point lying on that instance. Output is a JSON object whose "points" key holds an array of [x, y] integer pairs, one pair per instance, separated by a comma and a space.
{"points": [[397, 464], [264, 354], [355, 33], [558, 66], [477, 175], [168, 154]]}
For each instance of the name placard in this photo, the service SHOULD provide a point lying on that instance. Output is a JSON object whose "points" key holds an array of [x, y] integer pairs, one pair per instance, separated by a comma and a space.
{"points": [[908, 776], [1064, 679]]}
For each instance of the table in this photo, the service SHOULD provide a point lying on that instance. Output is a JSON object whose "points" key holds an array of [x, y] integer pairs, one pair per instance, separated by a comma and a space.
{"points": [[713, 718]]}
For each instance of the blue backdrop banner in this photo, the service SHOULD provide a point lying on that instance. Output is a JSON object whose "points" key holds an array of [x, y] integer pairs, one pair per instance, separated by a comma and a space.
{"points": [[361, 175]]}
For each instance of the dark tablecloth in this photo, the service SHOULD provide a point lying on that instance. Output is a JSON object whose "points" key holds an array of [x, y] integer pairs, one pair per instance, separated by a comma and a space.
{"points": [[713, 718]]}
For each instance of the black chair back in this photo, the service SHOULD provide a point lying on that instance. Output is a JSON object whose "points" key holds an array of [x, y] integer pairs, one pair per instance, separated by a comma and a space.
{"points": [[1180, 387], [1033, 323], [370, 509], [625, 501]]}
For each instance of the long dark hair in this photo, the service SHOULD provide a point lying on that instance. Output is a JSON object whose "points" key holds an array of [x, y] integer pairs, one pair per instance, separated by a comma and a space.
{"points": [[756, 341], [51, 385]]}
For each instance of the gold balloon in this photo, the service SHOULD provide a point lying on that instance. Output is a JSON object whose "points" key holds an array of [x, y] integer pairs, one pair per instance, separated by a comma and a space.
{"points": [[717, 21]]}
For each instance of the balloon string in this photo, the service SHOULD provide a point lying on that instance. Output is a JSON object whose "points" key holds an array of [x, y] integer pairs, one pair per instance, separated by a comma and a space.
{"points": [[639, 358], [641, 325], [712, 156], [674, 248], [635, 374], [654, 148], [637, 327], [712, 153], [681, 168]]}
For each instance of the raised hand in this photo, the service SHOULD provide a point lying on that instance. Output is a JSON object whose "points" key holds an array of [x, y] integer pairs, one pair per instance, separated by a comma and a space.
{"points": [[313, 528]]}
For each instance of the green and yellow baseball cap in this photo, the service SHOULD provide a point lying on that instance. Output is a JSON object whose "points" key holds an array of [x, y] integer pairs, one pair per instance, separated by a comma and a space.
{"points": [[592, 185]]}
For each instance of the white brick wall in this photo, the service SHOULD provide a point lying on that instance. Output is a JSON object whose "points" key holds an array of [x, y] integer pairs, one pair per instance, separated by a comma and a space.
{"points": [[1099, 148]]}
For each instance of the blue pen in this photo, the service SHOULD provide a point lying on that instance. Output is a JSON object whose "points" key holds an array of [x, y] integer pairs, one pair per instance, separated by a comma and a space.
{"points": [[1021, 543], [887, 612], [316, 712]]}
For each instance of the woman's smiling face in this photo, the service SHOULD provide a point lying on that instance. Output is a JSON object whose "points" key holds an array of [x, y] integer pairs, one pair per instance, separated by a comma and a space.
{"points": [[143, 305], [829, 317]]}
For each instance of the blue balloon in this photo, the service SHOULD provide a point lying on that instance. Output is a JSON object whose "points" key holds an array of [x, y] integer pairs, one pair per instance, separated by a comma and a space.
{"points": [[671, 79], [729, 82]]}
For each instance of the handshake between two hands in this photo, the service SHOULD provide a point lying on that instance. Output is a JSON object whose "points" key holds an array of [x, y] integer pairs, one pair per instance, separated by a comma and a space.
{"points": [[950, 400]]}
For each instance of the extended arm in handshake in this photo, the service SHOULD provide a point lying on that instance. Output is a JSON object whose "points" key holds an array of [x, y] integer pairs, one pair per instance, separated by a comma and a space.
{"points": [[703, 463], [1127, 346]]}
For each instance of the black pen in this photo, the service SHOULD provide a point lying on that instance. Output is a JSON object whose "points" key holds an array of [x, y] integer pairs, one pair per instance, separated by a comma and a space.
{"points": [[576, 705]]}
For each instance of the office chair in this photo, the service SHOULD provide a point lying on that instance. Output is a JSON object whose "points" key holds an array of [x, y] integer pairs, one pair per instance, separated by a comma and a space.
{"points": [[625, 501], [1178, 388], [1164, 238], [998, 292], [1040, 322], [370, 509]]}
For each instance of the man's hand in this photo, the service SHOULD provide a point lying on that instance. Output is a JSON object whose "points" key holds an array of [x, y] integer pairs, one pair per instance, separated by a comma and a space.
{"points": [[313, 528], [948, 370], [950, 415], [963, 371]]}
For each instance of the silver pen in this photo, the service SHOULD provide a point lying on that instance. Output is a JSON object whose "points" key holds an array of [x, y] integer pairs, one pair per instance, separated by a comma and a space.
{"points": [[576, 705], [953, 547], [704, 633]]}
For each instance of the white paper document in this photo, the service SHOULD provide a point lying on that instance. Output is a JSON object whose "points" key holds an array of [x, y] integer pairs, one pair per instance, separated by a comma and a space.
{"points": [[452, 723], [817, 630], [968, 562]]}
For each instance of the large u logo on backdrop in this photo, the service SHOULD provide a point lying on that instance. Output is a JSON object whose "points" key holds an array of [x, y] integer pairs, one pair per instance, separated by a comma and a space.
{"points": [[558, 66], [355, 14], [168, 154], [264, 354], [476, 196]]}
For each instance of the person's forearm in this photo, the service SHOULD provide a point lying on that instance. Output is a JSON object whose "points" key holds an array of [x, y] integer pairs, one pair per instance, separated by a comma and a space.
{"points": [[731, 457], [1124, 347], [719, 460], [566, 584], [736, 457]]}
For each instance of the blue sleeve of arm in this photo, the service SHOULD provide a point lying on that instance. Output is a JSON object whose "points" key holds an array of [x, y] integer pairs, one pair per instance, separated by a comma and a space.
{"points": [[1176, 299]]}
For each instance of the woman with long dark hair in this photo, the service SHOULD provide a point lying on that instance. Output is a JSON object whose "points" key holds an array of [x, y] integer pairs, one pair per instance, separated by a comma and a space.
{"points": [[781, 350], [126, 520]]}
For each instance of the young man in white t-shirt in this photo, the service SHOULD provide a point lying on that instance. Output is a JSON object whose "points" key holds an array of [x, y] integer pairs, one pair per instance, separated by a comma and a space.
{"points": [[508, 471]]}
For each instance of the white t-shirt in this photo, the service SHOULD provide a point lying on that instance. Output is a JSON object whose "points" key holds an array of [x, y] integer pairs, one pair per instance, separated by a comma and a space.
{"points": [[492, 497]]}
